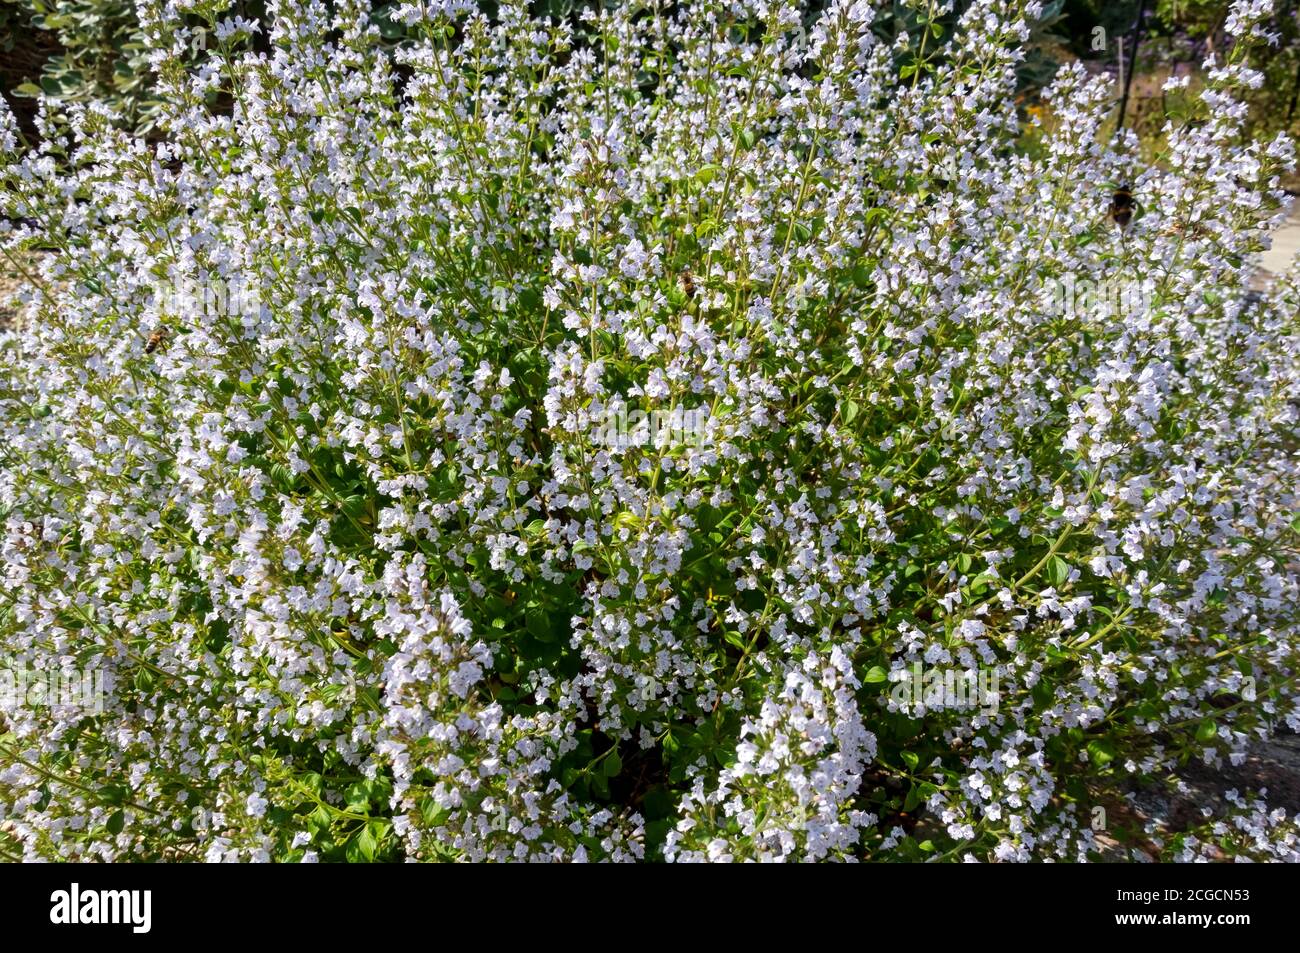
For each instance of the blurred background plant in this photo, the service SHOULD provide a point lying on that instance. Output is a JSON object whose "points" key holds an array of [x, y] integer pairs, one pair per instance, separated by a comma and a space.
{"points": [[1174, 37], [76, 51], [91, 50]]}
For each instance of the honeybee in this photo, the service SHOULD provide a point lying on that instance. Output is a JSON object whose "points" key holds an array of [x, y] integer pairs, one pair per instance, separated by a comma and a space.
{"points": [[1122, 206], [687, 282], [155, 340]]}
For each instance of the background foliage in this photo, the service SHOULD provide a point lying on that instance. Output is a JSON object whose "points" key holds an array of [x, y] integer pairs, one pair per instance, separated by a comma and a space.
{"points": [[84, 50]]}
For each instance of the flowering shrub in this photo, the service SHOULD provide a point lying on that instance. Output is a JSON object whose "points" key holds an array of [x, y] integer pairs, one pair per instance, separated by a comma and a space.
{"points": [[366, 580]]}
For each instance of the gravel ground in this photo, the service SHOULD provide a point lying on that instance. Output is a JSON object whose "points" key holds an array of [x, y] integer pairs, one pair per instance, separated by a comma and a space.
{"points": [[1270, 771]]}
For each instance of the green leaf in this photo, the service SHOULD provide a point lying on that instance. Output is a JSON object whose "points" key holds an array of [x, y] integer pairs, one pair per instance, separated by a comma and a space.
{"points": [[875, 675], [1058, 570], [705, 228], [1207, 731], [358, 797], [1102, 752], [364, 845], [1043, 693], [913, 798], [613, 764], [320, 819], [670, 743], [538, 624]]}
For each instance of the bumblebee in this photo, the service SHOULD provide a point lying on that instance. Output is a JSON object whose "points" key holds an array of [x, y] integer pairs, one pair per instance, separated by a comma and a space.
{"points": [[155, 340], [1122, 207], [687, 282]]}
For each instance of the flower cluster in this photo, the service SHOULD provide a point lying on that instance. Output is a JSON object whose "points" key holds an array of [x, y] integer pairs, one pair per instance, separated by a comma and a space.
{"points": [[367, 582], [796, 772]]}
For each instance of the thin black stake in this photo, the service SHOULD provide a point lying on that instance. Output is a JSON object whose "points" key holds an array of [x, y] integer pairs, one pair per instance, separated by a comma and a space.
{"points": [[1132, 63], [1295, 93]]}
